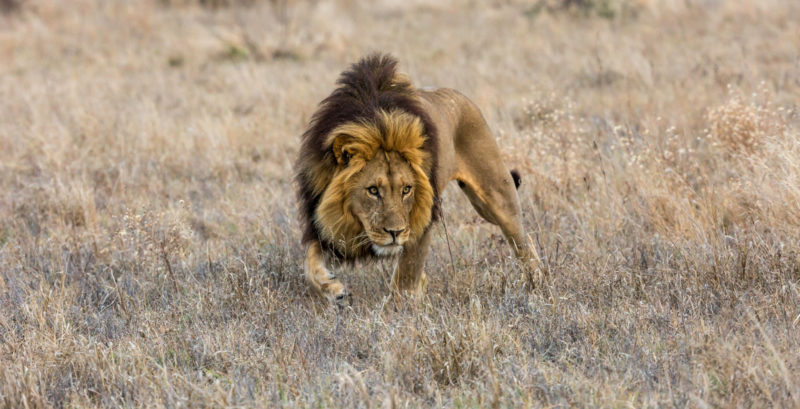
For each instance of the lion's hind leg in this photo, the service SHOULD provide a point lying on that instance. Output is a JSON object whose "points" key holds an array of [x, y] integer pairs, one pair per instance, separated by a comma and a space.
{"points": [[321, 279], [493, 195], [490, 186]]}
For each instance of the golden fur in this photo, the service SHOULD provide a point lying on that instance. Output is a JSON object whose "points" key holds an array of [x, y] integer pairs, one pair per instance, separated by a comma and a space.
{"points": [[373, 160], [361, 141]]}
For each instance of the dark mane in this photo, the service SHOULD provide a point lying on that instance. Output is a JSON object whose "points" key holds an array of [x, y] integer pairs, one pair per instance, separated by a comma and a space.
{"points": [[369, 86]]}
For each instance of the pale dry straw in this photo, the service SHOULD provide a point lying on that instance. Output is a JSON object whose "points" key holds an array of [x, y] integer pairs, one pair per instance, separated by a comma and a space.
{"points": [[149, 248]]}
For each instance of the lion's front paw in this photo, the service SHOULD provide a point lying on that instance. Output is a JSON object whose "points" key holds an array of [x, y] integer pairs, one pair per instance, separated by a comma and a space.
{"points": [[344, 299], [336, 293], [534, 277]]}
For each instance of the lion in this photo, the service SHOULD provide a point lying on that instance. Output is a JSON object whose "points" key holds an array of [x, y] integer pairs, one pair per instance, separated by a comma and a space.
{"points": [[373, 160]]}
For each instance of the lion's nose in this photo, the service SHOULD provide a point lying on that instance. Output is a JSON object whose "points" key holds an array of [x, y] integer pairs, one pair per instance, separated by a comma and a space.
{"points": [[394, 233]]}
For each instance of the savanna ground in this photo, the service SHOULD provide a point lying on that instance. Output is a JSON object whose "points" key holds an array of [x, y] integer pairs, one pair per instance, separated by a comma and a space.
{"points": [[149, 245]]}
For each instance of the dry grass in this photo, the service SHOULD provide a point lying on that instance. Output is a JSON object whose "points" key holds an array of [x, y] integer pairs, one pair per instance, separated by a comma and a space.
{"points": [[149, 249]]}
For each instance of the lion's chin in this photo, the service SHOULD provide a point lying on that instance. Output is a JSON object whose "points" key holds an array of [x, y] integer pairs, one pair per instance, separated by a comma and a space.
{"points": [[388, 250]]}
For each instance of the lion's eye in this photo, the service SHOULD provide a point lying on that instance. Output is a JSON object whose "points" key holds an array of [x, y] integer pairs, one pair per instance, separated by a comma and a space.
{"points": [[406, 190], [373, 190]]}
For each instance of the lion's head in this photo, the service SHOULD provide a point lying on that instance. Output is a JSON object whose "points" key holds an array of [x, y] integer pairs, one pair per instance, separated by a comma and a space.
{"points": [[379, 197], [366, 169]]}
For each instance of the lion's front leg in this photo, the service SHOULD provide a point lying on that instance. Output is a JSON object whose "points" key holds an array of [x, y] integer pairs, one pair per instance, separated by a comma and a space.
{"points": [[409, 275], [321, 279]]}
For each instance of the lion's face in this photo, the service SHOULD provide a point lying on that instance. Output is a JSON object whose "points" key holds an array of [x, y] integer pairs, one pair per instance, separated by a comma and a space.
{"points": [[378, 196], [382, 197]]}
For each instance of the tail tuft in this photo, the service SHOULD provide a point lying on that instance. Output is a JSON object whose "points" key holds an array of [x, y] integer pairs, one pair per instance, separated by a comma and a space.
{"points": [[517, 178]]}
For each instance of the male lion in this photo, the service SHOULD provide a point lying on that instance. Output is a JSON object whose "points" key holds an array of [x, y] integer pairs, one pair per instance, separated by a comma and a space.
{"points": [[372, 163]]}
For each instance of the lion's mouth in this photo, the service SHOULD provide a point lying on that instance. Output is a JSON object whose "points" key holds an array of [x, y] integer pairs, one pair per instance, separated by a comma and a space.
{"points": [[387, 250]]}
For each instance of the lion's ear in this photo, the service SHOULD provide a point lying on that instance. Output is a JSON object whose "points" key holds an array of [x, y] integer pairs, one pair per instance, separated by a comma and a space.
{"points": [[342, 149]]}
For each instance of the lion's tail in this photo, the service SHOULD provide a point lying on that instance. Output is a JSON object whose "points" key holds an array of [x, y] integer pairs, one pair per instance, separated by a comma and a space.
{"points": [[517, 178]]}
